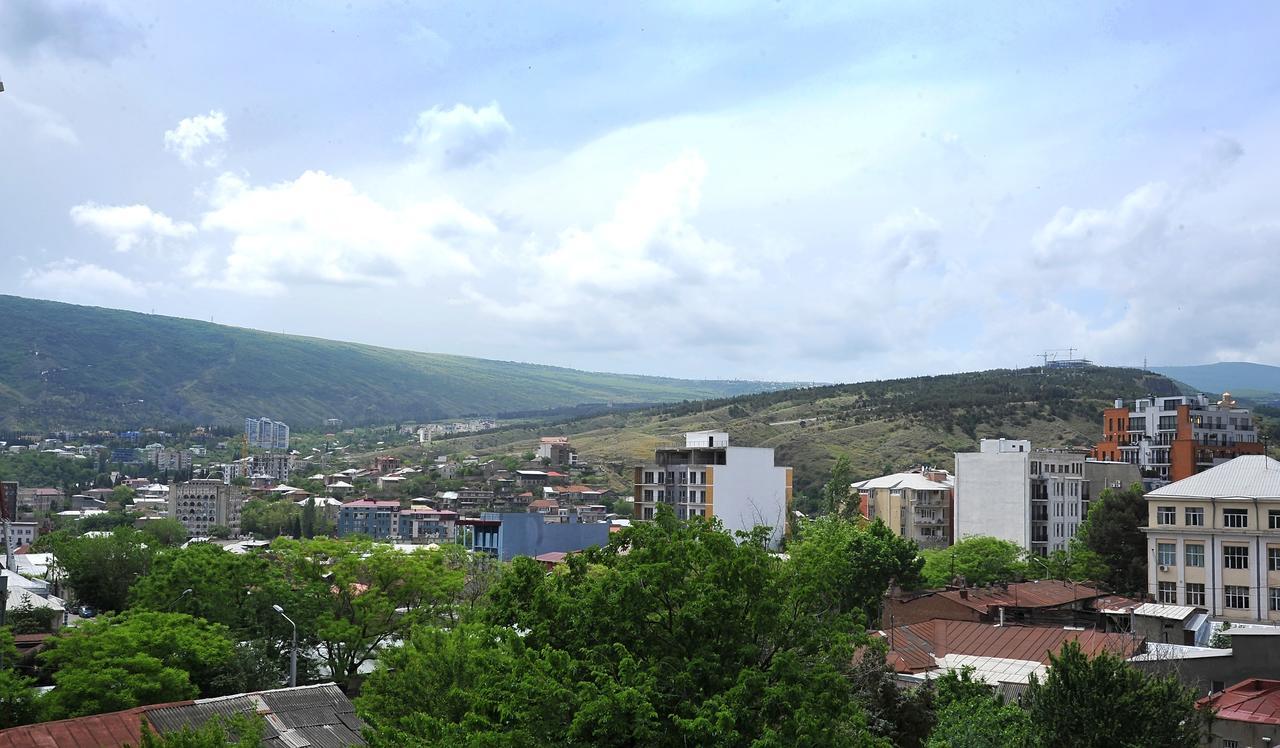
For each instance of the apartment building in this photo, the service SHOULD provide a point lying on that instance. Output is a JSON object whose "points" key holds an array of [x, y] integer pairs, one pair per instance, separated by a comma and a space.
{"points": [[204, 503], [740, 486], [557, 451], [1171, 438], [916, 504], [1036, 498], [1213, 540], [263, 467], [264, 433]]}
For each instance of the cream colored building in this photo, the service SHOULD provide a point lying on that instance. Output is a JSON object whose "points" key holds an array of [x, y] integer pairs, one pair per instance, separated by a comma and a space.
{"points": [[1213, 540], [915, 504]]}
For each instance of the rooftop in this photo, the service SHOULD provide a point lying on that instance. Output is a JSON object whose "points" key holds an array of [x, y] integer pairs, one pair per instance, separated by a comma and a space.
{"points": [[1246, 476], [1254, 700], [1039, 594], [914, 481]]}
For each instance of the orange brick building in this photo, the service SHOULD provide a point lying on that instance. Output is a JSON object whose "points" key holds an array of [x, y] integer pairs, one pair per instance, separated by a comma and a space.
{"points": [[1171, 438]]}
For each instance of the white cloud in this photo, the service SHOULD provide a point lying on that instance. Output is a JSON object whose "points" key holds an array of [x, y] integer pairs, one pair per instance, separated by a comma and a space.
{"points": [[199, 134], [130, 226], [907, 241], [461, 136], [44, 121], [72, 279], [321, 229]]}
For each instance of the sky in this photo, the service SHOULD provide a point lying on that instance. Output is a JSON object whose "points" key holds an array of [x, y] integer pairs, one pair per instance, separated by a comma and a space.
{"points": [[775, 190]]}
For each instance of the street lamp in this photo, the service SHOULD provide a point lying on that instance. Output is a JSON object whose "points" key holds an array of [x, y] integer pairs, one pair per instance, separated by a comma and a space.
{"points": [[293, 653]]}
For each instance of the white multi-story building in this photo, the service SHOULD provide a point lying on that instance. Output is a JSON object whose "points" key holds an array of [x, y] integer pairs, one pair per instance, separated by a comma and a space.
{"points": [[740, 486], [267, 467], [1036, 498], [204, 503], [1213, 540]]}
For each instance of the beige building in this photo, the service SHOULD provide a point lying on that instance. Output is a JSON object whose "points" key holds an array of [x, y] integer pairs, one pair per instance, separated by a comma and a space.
{"points": [[916, 504], [204, 503], [1213, 540]]}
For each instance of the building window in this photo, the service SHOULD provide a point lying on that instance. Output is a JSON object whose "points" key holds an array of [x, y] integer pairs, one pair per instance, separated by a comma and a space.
{"points": [[1236, 596], [1195, 517], [1235, 517], [1273, 519], [1168, 593], [1228, 743], [1195, 594], [1195, 554], [1235, 556], [1166, 515], [1273, 595], [1273, 559], [1166, 554]]}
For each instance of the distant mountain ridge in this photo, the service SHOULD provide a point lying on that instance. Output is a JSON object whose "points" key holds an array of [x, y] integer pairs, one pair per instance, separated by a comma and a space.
{"points": [[69, 366], [1240, 378]]}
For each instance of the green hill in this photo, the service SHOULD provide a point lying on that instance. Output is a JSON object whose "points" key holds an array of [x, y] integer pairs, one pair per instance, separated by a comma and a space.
{"points": [[883, 426], [1240, 378], [67, 366]]}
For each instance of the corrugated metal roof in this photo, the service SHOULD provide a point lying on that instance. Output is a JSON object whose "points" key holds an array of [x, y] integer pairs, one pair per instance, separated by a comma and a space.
{"points": [[916, 646], [1040, 594], [1246, 476], [1254, 700], [97, 731], [914, 481], [1171, 612]]}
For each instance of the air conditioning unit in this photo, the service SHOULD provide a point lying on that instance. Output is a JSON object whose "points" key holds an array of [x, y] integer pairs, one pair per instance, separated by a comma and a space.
{"points": [[1163, 567]]}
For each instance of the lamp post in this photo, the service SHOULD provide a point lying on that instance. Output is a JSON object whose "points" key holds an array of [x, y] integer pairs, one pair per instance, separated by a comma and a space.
{"points": [[293, 653]]}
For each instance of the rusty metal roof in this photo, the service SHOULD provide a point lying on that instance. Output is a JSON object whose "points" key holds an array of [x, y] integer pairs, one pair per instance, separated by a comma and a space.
{"points": [[1254, 700], [320, 716], [1041, 594], [914, 647]]}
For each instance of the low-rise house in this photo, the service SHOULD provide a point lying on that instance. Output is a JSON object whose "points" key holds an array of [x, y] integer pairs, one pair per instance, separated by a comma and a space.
{"points": [[1246, 714], [424, 524], [1044, 601], [1002, 656], [39, 500], [22, 533], [390, 482], [531, 478], [1254, 653], [1167, 624], [318, 715]]}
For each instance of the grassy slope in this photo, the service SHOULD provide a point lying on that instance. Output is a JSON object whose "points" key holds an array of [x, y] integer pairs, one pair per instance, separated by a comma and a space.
{"points": [[72, 366], [882, 426]]}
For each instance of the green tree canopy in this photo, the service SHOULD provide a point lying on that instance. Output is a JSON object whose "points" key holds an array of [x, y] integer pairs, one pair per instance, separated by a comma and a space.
{"points": [[166, 531], [1102, 701], [970, 715], [118, 662], [836, 492], [1113, 530], [980, 559], [270, 519], [101, 569]]}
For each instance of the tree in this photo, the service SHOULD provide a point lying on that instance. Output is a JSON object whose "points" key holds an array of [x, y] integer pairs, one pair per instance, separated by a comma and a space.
{"points": [[26, 618], [970, 715], [1102, 701], [846, 567], [673, 635], [123, 495], [309, 518], [354, 597], [1113, 530], [269, 519], [100, 570], [19, 702], [835, 494], [980, 559], [166, 531], [118, 662], [221, 532]]}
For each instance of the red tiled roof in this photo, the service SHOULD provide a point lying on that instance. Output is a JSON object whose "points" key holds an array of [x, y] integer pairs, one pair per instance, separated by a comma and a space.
{"points": [[544, 504], [1253, 700], [551, 557], [913, 647]]}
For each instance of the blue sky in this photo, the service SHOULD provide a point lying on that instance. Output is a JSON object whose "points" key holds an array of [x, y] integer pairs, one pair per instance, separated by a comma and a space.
{"points": [[769, 190]]}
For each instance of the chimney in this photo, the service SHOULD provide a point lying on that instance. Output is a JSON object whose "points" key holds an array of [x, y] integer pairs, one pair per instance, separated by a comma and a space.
{"points": [[1001, 609], [964, 594]]}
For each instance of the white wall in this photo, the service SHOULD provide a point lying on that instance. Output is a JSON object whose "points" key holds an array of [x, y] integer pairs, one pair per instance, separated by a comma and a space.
{"points": [[750, 490], [993, 495]]}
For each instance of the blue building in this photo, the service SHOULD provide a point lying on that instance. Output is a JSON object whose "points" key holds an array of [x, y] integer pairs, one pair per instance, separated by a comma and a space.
{"points": [[377, 519], [507, 535]]}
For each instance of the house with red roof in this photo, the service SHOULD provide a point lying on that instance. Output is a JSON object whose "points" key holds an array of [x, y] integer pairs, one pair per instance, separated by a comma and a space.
{"points": [[1246, 714]]}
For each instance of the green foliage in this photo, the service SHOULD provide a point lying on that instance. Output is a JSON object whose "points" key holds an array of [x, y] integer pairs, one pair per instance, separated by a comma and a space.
{"points": [[270, 518], [19, 703], [96, 359], [26, 618], [1113, 531], [118, 662], [1221, 639], [166, 531], [1076, 564], [1103, 701], [40, 469], [846, 567], [100, 570], [238, 731], [221, 532], [970, 715], [980, 559], [687, 638], [123, 495], [835, 494], [354, 597]]}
